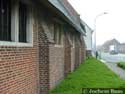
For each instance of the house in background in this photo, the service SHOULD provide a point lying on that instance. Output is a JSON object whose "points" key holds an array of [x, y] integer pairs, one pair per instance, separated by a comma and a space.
{"points": [[121, 48], [87, 38], [106, 46], [41, 42]]}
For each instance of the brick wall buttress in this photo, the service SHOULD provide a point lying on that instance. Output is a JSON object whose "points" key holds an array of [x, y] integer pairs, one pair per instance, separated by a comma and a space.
{"points": [[72, 59], [83, 51], [43, 61], [56, 65], [67, 55], [76, 56]]}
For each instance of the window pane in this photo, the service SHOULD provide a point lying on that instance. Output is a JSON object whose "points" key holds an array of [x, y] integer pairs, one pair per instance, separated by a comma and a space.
{"points": [[60, 34], [0, 20], [5, 20], [55, 33], [22, 22]]}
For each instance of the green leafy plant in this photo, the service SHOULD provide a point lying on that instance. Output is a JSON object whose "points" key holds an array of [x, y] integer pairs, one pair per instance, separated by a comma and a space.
{"points": [[121, 64]]}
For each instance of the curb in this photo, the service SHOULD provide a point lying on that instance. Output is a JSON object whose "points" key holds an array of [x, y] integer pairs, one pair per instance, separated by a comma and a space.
{"points": [[103, 61]]}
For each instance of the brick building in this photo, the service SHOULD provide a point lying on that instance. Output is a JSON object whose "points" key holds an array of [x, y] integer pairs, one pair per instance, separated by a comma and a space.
{"points": [[41, 42]]}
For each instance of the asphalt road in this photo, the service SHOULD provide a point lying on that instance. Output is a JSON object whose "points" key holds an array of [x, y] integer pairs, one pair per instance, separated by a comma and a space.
{"points": [[112, 58]]}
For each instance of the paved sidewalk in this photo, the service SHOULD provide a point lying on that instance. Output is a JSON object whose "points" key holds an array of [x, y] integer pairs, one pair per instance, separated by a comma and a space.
{"points": [[116, 69]]}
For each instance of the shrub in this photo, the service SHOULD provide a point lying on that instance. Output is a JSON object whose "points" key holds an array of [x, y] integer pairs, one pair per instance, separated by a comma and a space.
{"points": [[121, 64]]}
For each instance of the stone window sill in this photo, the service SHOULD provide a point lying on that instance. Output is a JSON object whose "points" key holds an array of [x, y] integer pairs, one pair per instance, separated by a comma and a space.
{"points": [[15, 44]]}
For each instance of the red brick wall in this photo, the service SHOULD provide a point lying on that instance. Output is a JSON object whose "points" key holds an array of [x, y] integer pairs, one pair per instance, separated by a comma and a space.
{"points": [[56, 65], [43, 55], [83, 51], [18, 69], [67, 55], [76, 57], [72, 59]]}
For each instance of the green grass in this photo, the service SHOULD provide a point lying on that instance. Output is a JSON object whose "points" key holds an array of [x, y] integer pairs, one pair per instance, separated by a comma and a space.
{"points": [[91, 74], [121, 64]]}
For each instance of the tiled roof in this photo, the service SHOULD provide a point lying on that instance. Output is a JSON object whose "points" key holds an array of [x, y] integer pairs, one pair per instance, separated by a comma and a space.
{"points": [[65, 7], [72, 12]]}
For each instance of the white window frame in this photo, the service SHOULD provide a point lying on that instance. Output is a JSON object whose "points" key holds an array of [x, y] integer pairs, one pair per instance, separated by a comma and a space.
{"points": [[15, 28]]}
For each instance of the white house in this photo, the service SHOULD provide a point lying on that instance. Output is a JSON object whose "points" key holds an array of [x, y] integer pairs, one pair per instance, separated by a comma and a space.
{"points": [[88, 38]]}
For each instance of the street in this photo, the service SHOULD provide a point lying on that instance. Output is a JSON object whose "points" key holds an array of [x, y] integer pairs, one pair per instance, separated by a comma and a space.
{"points": [[112, 58]]}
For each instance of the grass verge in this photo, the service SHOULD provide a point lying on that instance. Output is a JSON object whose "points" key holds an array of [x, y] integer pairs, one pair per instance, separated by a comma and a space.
{"points": [[91, 74]]}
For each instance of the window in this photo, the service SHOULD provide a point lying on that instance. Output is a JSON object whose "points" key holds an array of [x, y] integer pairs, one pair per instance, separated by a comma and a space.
{"points": [[15, 23], [22, 22], [71, 38], [77, 40], [58, 34], [55, 32], [5, 20]]}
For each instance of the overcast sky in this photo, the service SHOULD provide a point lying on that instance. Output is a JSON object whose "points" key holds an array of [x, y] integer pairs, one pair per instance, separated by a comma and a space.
{"points": [[109, 26]]}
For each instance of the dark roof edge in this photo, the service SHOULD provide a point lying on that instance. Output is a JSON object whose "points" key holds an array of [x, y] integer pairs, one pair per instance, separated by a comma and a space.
{"points": [[46, 2]]}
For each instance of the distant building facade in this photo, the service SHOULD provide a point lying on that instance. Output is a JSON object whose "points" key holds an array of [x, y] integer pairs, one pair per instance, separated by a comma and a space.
{"points": [[106, 46], [121, 48]]}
